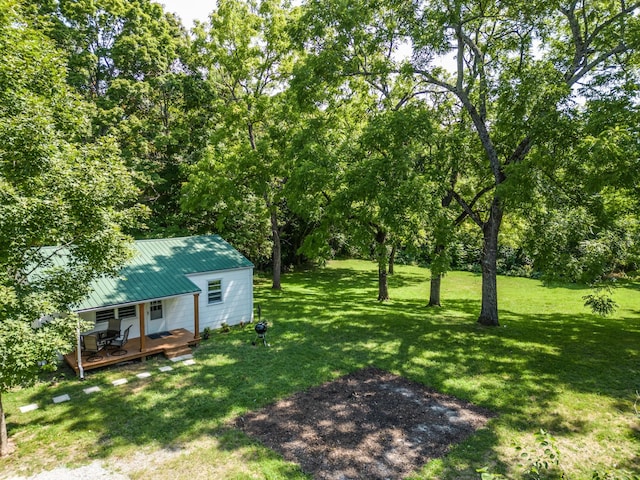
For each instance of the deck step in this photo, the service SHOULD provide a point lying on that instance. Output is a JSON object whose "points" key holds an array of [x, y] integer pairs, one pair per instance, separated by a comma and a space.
{"points": [[177, 352]]}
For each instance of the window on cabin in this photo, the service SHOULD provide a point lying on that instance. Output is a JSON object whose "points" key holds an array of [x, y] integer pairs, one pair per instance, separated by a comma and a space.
{"points": [[127, 312], [155, 310], [105, 315], [215, 291]]}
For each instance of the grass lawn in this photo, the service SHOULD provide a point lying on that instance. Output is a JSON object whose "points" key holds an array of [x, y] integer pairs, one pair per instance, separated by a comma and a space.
{"points": [[551, 365]]}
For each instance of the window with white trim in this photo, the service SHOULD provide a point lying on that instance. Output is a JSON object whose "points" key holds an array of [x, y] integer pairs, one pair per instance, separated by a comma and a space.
{"points": [[214, 291], [155, 310]]}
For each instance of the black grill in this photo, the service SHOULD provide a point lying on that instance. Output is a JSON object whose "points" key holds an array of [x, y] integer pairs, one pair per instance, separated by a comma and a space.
{"points": [[261, 329]]}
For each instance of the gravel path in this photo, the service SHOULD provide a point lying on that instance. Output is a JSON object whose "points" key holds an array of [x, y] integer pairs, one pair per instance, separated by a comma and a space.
{"points": [[93, 471]]}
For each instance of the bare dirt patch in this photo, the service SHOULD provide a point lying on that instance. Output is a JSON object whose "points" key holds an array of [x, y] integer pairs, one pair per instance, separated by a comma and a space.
{"points": [[369, 424]]}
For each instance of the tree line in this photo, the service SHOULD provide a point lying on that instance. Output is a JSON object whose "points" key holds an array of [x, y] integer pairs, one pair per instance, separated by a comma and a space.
{"points": [[370, 128]]}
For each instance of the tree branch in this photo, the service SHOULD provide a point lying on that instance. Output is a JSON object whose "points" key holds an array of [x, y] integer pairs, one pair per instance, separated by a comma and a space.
{"points": [[580, 65], [521, 151], [468, 207], [434, 81], [44, 260], [625, 10], [573, 77]]}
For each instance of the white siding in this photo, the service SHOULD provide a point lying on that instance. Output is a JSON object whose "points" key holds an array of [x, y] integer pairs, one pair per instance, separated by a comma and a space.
{"points": [[236, 305], [237, 298], [178, 313]]}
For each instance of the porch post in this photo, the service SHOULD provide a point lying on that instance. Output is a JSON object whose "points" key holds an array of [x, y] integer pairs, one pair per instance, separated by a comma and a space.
{"points": [[143, 337], [196, 316], [79, 349]]}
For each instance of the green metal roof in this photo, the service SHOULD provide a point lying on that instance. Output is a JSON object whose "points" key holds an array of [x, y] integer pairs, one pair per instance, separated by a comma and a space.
{"points": [[159, 268]]}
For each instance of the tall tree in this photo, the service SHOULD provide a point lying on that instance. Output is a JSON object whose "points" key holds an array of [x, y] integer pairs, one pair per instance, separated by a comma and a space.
{"points": [[386, 178], [375, 187], [452, 152], [516, 73], [245, 53], [55, 189]]}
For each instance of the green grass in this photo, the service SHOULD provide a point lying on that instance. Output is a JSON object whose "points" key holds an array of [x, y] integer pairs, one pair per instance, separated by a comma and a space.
{"points": [[551, 365]]}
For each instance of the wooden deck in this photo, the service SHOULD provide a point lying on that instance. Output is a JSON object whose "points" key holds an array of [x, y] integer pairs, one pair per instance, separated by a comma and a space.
{"points": [[178, 343]]}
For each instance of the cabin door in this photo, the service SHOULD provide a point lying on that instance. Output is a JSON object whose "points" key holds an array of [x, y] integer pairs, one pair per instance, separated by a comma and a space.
{"points": [[155, 319]]}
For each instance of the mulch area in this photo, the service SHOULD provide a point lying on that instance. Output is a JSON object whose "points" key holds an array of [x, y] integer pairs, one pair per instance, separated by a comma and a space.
{"points": [[370, 424]]}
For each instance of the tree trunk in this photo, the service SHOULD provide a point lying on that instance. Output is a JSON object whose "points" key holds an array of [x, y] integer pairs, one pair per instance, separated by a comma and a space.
{"points": [[383, 286], [382, 257], [436, 280], [277, 251], [392, 259], [434, 290], [489, 310], [4, 438]]}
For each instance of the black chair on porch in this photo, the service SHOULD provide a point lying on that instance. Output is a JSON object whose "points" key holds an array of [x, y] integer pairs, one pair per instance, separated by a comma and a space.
{"points": [[113, 329], [91, 345], [120, 342]]}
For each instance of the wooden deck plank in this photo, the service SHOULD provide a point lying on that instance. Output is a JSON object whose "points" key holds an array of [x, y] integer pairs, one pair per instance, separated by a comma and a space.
{"points": [[179, 338]]}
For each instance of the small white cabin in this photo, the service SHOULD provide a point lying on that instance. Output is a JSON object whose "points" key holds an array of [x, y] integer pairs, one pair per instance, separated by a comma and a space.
{"points": [[188, 283]]}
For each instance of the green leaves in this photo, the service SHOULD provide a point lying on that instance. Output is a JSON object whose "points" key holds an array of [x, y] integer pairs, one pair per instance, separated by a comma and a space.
{"points": [[245, 55], [55, 189], [600, 301], [127, 60]]}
